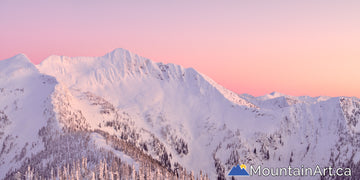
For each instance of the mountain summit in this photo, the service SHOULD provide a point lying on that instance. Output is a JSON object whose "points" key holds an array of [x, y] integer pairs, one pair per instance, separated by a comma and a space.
{"points": [[156, 119]]}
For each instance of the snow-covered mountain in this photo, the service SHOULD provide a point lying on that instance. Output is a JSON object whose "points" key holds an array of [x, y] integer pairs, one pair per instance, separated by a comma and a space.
{"points": [[125, 106]]}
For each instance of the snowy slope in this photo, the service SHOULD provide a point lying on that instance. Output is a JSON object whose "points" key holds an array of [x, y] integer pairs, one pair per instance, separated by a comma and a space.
{"points": [[177, 116], [167, 100], [24, 96]]}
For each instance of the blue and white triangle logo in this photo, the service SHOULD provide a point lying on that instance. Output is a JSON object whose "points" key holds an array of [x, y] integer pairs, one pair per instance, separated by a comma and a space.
{"points": [[239, 170]]}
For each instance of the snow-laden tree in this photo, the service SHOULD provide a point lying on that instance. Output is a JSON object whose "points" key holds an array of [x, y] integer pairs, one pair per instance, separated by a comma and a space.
{"points": [[133, 172], [18, 176], [101, 170], [93, 176], [29, 174]]}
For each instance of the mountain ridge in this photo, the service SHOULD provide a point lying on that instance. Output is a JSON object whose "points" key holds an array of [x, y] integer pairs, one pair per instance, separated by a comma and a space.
{"points": [[175, 116], [114, 55]]}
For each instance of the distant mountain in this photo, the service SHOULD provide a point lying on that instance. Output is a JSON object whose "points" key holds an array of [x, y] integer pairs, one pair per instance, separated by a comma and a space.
{"points": [[124, 109]]}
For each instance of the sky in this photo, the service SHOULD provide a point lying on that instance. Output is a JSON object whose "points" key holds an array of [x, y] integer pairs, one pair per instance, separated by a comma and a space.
{"points": [[248, 46]]}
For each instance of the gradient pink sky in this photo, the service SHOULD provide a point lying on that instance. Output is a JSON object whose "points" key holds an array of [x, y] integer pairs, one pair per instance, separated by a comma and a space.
{"points": [[256, 47]]}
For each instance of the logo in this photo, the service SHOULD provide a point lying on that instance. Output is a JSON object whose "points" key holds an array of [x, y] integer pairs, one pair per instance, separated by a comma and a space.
{"points": [[300, 171], [239, 170]]}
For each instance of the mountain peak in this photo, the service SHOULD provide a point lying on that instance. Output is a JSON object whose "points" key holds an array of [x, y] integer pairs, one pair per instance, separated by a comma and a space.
{"points": [[19, 58], [15, 63], [276, 94], [124, 105], [118, 52], [22, 56]]}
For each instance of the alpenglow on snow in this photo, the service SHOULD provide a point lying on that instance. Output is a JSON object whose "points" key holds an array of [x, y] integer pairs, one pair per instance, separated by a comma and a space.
{"points": [[123, 115]]}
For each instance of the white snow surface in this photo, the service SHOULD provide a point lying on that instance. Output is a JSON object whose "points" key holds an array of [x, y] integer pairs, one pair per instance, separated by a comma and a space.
{"points": [[24, 95], [172, 102]]}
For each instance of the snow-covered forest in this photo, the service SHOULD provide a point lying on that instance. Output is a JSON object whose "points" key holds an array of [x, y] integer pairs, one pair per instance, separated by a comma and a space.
{"points": [[125, 116]]}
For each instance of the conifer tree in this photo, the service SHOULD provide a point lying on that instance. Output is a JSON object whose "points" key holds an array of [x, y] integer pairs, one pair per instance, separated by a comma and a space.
{"points": [[149, 174], [192, 175], [157, 173], [29, 174], [93, 176], [84, 165], [133, 172], [18, 176], [105, 170], [101, 170], [52, 173], [124, 171], [141, 172], [58, 173], [65, 174]]}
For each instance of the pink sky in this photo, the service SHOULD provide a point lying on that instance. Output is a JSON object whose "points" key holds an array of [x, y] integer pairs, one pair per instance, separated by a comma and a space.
{"points": [[256, 47]]}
